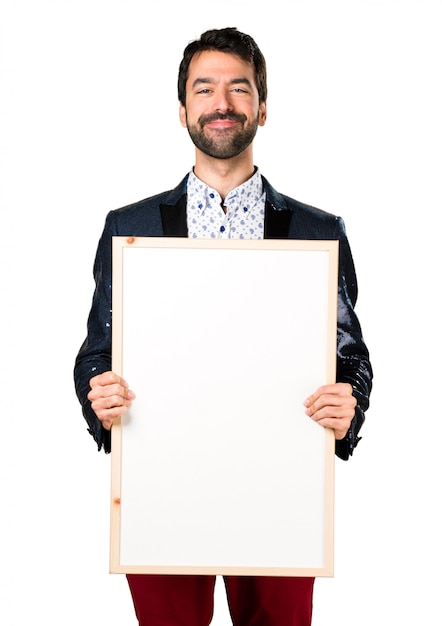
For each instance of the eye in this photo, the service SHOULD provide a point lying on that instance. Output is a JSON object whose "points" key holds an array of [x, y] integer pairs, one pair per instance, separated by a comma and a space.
{"points": [[240, 90]]}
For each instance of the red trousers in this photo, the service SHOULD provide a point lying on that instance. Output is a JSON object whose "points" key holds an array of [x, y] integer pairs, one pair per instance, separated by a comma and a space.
{"points": [[188, 600]]}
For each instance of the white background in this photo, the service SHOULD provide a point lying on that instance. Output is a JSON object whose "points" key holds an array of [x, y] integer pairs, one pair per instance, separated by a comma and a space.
{"points": [[89, 122]]}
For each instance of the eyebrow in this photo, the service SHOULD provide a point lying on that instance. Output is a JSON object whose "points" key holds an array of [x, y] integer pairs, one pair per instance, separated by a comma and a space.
{"points": [[209, 81]]}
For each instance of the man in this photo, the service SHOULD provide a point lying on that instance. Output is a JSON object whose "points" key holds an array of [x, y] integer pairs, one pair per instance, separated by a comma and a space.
{"points": [[222, 93]]}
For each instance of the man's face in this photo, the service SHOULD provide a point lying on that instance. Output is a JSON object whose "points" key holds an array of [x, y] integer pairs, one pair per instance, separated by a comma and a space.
{"points": [[222, 112]]}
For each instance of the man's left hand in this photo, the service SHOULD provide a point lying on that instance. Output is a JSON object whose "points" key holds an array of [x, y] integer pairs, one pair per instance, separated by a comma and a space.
{"points": [[332, 406]]}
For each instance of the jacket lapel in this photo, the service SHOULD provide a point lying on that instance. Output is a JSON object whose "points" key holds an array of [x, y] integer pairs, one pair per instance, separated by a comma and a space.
{"points": [[174, 218], [276, 222]]}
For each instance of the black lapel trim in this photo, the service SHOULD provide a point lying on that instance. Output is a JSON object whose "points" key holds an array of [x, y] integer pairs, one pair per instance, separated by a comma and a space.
{"points": [[276, 222], [174, 218]]}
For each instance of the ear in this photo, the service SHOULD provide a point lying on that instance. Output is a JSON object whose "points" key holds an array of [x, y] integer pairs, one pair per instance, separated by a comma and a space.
{"points": [[262, 113], [183, 116]]}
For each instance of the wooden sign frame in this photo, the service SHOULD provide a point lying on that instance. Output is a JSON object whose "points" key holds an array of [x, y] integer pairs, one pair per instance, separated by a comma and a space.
{"points": [[216, 469]]}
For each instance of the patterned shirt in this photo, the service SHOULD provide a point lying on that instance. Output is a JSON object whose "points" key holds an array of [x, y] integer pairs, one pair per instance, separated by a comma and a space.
{"points": [[240, 216]]}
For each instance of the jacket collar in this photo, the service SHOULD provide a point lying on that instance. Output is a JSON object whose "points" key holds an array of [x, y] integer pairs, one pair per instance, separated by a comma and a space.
{"points": [[174, 219]]}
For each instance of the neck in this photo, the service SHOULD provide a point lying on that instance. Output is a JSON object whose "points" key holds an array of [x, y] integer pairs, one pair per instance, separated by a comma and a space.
{"points": [[223, 175]]}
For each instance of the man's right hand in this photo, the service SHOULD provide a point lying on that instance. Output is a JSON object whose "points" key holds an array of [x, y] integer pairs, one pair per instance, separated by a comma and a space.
{"points": [[110, 397]]}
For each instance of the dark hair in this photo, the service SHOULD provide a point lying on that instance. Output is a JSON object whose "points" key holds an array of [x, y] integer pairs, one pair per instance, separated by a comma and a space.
{"points": [[229, 40]]}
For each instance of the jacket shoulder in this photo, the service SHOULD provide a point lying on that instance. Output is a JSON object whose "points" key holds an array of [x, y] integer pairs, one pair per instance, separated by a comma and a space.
{"points": [[306, 221], [143, 218]]}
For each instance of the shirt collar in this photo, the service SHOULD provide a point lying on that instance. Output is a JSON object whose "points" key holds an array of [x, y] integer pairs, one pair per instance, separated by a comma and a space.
{"points": [[204, 197]]}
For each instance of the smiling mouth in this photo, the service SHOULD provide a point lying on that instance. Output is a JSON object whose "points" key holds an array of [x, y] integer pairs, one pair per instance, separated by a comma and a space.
{"points": [[220, 120], [221, 124]]}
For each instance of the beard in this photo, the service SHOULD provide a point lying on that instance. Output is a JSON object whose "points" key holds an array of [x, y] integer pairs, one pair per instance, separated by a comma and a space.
{"points": [[224, 143]]}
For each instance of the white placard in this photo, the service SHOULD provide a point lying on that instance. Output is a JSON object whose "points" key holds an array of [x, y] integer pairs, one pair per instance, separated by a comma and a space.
{"points": [[216, 468]]}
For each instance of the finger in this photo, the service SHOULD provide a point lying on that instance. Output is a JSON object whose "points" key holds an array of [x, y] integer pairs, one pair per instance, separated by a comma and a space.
{"points": [[105, 378], [111, 391], [110, 413], [334, 395], [336, 404], [339, 427], [108, 416], [316, 395], [107, 424], [331, 412], [103, 403]]}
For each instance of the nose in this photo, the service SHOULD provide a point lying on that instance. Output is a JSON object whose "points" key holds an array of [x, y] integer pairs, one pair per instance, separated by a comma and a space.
{"points": [[222, 101]]}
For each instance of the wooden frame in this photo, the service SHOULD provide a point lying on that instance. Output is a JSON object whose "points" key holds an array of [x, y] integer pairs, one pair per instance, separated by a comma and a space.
{"points": [[216, 469]]}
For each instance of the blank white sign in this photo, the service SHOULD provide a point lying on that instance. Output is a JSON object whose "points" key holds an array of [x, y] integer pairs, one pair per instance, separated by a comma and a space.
{"points": [[216, 468]]}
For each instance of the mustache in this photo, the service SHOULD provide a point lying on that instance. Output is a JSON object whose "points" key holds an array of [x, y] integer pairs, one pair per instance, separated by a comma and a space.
{"points": [[212, 117]]}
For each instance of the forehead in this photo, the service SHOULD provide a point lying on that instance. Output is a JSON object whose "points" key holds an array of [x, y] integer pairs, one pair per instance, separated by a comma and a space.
{"points": [[219, 66]]}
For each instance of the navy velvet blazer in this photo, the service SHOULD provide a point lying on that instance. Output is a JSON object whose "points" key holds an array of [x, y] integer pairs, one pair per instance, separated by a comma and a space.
{"points": [[164, 215]]}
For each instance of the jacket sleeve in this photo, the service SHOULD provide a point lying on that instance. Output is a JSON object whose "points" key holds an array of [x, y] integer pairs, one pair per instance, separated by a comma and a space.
{"points": [[353, 360], [94, 356]]}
